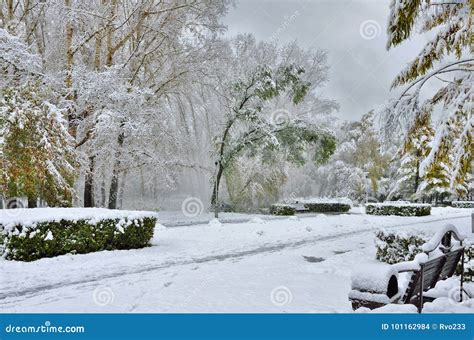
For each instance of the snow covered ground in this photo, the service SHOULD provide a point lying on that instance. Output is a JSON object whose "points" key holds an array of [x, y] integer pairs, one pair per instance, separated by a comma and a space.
{"points": [[275, 265]]}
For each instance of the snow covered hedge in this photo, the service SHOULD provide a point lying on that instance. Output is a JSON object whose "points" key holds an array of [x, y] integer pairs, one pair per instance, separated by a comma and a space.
{"points": [[463, 204], [395, 247], [282, 209], [31, 234], [322, 207], [400, 209]]}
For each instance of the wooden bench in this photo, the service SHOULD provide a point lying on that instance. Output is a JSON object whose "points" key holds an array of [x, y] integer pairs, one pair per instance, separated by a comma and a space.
{"points": [[425, 275]]}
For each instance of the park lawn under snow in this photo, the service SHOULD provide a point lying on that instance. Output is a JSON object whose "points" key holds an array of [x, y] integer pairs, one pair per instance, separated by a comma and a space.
{"points": [[279, 265]]}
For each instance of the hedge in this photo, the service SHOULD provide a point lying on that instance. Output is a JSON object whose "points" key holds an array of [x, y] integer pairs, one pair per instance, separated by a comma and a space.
{"points": [[282, 209], [398, 209], [395, 247], [463, 204], [327, 207], [25, 242]]}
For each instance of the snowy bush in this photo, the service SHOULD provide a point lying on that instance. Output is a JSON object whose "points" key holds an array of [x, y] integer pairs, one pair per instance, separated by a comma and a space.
{"points": [[323, 205], [393, 247], [282, 209], [76, 231], [400, 209], [468, 263], [463, 204]]}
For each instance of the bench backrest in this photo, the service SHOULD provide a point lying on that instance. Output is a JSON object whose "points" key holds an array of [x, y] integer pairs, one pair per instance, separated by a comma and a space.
{"points": [[428, 275], [452, 260]]}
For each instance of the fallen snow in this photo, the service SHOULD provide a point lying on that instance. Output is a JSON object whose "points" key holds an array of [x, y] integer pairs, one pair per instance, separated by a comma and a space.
{"points": [[10, 218], [435, 241], [240, 267], [373, 277]]}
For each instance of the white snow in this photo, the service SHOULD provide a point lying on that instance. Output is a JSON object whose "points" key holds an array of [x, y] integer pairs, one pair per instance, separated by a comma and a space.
{"points": [[434, 242], [373, 277], [49, 236], [10, 218], [399, 203], [201, 268]]}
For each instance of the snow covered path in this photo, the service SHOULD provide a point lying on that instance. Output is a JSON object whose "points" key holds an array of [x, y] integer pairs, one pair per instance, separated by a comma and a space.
{"points": [[305, 262]]}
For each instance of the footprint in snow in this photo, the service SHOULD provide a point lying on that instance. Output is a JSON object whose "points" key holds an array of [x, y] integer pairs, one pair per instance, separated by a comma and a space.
{"points": [[167, 284], [339, 252], [313, 259]]}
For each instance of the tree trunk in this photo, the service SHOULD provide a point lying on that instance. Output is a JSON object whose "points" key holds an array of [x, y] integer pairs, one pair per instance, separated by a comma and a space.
{"points": [[32, 202], [89, 185], [103, 194], [215, 190], [121, 191], [68, 81], [114, 184], [113, 192], [417, 174]]}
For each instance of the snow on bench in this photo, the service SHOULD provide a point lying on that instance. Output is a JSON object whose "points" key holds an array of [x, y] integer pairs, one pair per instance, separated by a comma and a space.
{"points": [[374, 286]]}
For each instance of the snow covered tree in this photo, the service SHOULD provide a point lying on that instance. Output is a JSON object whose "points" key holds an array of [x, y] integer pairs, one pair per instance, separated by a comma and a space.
{"points": [[253, 182], [447, 59], [36, 149], [358, 161], [414, 150], [248, 129]]}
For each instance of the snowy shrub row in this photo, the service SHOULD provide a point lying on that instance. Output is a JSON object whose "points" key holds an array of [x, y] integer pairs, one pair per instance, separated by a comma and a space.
{"points": [[319, 205], [463, 204], [398, 209], [282, 209], [469, 263], [396, 247], [327, 207], [32, 240]]}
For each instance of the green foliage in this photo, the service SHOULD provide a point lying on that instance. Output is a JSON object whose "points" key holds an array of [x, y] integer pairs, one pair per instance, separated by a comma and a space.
{"points": [[75, 236], [252, 132], [402, 25], [398, 247], [398, 209], [463, 204], [447, 166], [416, 147], [453, 38], [282, 210], [38, 156], [359, 157], [327, 207], [468, 264], [255, 181]]}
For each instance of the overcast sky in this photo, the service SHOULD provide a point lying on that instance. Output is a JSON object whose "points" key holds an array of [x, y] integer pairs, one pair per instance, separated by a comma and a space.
{"points": [[353, 32]]}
